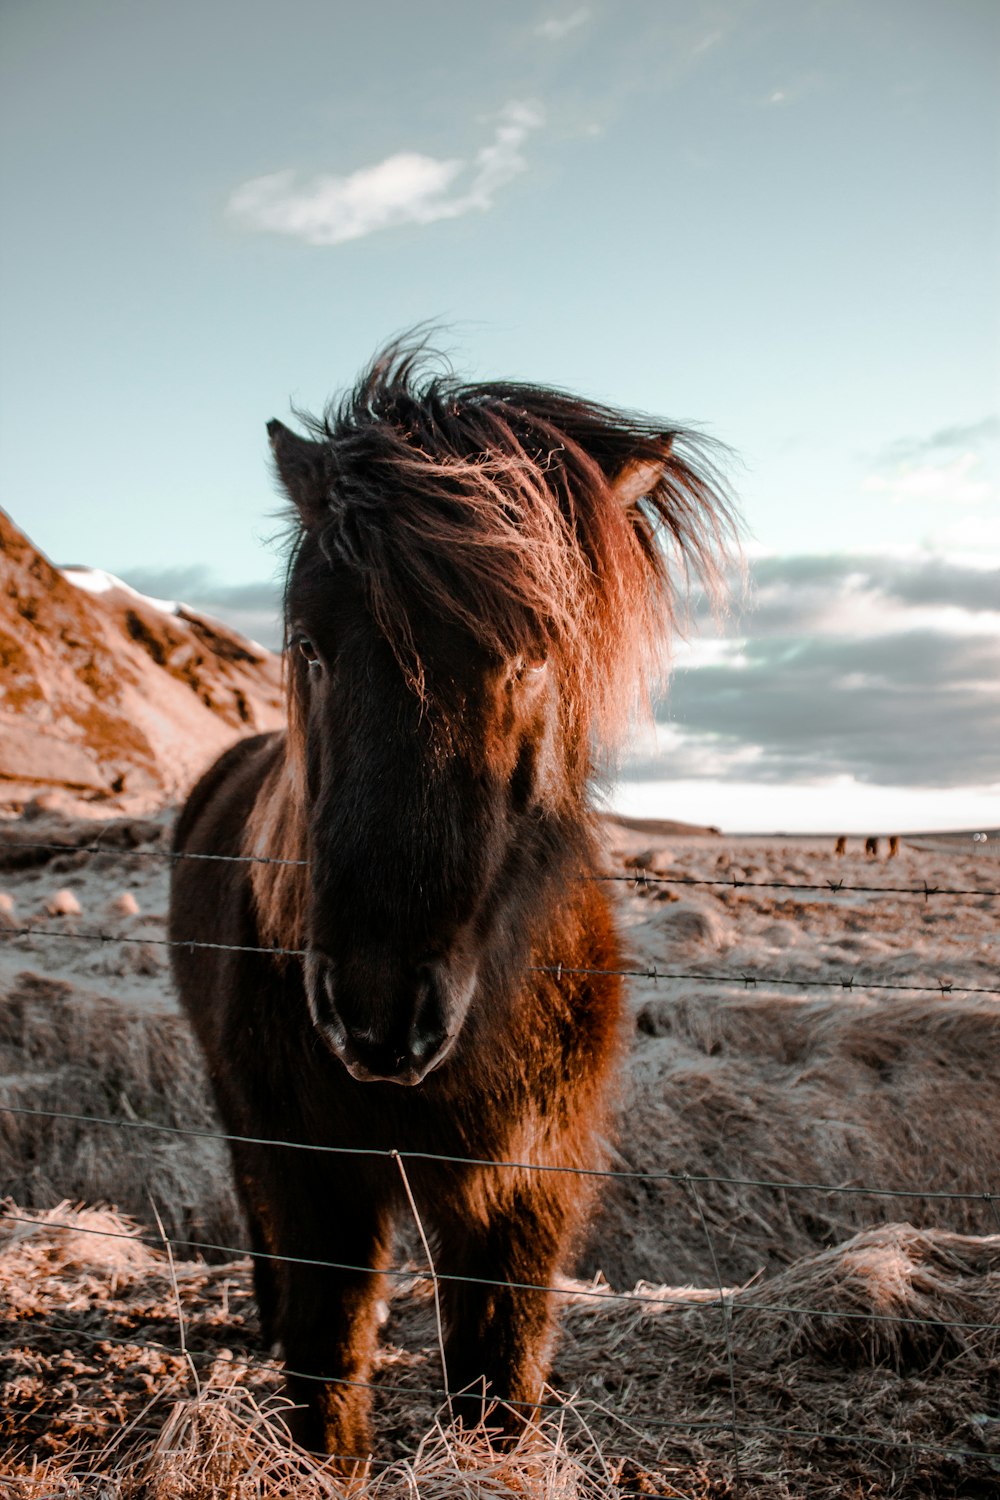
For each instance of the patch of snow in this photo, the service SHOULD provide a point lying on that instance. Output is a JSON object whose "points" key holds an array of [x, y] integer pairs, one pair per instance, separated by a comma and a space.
{"points": [[98, 581]]}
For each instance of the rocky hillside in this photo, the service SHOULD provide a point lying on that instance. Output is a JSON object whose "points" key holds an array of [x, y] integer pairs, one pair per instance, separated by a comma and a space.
{"points": [[110, 696]]}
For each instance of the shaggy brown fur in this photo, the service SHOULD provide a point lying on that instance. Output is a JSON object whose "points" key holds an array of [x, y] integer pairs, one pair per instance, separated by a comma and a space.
{"points": [[478, 589]]}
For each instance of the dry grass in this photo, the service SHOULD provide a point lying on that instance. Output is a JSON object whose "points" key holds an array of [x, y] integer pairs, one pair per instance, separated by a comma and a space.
{"points": [[844, 1090], [902, 1092], [225, 1444], [832, 1397], [97, 1400], [63, 1049]]}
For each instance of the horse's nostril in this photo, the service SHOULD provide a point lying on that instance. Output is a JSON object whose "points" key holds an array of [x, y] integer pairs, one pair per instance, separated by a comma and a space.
{"points": [[361, 1035], [321, 991], [426, 1047], [381, 1021]]}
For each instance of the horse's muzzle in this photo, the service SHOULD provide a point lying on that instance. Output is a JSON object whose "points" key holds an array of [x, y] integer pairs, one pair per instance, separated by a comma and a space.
{"points": [[397, 1036]]}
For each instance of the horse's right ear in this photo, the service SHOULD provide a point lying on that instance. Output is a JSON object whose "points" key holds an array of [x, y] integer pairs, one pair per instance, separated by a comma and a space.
{"points": [[301, 470], [638, 477]]}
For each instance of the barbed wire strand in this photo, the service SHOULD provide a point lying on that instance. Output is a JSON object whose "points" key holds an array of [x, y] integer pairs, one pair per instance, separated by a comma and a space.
{"points": [[115, 851], [409, 1273], [747, 980], [435, 1156], [680, 1178], [641, 878], [796, 981], [638, 877]]}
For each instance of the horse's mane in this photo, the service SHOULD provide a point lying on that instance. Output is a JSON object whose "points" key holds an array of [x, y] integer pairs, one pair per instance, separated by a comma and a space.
{"points": [[494, 507]]}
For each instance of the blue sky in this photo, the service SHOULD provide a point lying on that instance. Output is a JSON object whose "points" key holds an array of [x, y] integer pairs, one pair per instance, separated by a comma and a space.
{"points": [[775, 218]]}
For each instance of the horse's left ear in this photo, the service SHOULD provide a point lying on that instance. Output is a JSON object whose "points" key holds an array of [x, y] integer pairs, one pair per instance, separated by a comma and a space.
{"points": [[640, 476], [301, 470]]}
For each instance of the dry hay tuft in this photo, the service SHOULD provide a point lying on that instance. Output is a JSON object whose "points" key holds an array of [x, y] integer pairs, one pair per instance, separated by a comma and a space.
{"points": [[831, 1396], [844, 1090], [66, 1050], [851, 1295], [35, 1246], [230, 1444], [225, 1443]]}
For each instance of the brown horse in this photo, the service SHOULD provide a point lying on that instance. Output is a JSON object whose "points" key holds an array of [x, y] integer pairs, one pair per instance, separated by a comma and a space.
{"points": [[479, 583]]}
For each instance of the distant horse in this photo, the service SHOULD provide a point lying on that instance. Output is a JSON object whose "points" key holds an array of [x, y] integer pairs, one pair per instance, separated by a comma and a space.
{"points": [[871, 847], [893, 846], [841, 844], [479, 583]]}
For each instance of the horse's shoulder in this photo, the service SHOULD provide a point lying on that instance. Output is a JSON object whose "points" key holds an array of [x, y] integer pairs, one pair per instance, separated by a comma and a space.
{"points": [[237, 769]]}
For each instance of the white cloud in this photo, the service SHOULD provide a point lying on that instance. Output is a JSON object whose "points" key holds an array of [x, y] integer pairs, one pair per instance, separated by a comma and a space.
{"points": [[952, 482], [406, 188], [862, 604], [972, 539], [794, 90], [328, 210], [556, 27]]}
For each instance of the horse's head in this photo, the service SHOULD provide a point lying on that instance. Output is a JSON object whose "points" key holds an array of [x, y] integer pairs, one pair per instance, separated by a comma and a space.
{"points": [[477, 574]]}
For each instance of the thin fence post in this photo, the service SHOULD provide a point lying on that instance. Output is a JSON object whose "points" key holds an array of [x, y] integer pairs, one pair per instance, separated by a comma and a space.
{"points": [[725, 1308]]}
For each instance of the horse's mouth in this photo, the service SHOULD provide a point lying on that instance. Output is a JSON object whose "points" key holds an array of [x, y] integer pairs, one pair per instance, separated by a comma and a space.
{"points": [[407, 1077], [401, 1047]]}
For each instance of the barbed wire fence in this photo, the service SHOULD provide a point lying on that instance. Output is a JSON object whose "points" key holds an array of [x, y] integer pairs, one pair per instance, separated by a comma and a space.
{"points": [[731, 1304]]}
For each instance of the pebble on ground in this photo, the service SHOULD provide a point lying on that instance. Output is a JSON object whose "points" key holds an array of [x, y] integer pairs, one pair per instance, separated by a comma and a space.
{"points": [[124, 905], [63, 904]]}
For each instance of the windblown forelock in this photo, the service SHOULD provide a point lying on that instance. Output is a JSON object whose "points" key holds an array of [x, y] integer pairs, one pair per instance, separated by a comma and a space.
{"points": [[492, 509], [480, 543], [484, 542]]}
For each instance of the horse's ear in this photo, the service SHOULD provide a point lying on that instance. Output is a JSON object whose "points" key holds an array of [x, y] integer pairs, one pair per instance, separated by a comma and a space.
{"points": [[301, 470], [640, 476]]}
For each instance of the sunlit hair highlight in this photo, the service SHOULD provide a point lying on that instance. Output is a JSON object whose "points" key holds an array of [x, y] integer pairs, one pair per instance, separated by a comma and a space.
{"points": [[499, 508]]}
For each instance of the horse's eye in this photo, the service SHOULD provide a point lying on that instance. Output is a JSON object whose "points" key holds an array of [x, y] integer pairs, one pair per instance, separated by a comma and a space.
{"points": [[528, 669], [308, 651]]}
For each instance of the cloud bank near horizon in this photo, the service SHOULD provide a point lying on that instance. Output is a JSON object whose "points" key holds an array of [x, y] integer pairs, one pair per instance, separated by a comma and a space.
{"points": [[405, 188], [885, 669]]}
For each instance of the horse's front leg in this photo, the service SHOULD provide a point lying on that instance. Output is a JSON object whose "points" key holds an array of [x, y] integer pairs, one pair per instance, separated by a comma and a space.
{"points": [[322, 1224], [500, 1322]]}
